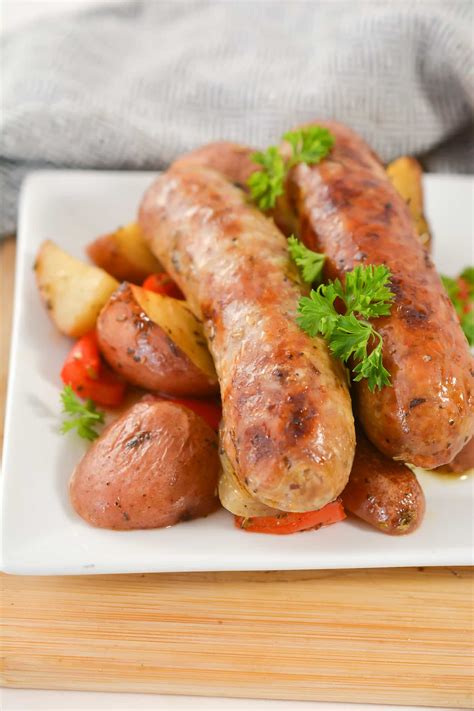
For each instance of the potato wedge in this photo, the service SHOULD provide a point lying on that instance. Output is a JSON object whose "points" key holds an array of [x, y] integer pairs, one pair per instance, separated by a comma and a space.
{"points": [[74, 292], [124, 254], [406, 175], [156, 342]]}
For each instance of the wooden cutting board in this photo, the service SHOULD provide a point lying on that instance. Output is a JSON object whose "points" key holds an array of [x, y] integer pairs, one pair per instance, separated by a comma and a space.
{"points": [[399, 636]]}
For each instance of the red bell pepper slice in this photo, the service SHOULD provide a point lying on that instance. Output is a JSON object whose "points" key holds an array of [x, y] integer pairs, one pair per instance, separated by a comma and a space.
{"points": [[88, 376], [211, 412], [83, 359], [163, 284], [107, 390], [285, 523]]}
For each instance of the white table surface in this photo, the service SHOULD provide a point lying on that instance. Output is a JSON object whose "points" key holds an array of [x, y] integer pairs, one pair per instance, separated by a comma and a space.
{"points": [[32, 700], [14, 14]]}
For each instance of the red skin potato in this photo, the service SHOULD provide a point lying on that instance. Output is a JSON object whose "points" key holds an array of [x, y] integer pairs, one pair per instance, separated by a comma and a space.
{"points": [[155, 466], [144, 354]]}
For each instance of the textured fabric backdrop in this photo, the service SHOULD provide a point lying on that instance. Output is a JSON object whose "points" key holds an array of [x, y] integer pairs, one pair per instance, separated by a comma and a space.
{"points": [[134, 86]]}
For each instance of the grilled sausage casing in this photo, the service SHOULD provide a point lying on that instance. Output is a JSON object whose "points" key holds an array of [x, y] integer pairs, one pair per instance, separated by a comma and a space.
{"points": [[287, 420], [382, 492], [463, 461], [347, 208], [230, 159]]}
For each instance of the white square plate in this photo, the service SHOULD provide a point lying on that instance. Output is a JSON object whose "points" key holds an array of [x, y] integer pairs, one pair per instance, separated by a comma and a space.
{"points": [[41, 532]]}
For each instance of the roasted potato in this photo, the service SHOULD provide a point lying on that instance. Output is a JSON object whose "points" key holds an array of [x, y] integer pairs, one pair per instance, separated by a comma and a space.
{"points": [[74, 292], [156, 342], [124, 254], [155, 466], [406, 175]]}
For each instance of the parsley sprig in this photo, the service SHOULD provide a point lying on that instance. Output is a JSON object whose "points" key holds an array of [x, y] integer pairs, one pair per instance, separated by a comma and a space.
{"points": [[308, 145], [84, 416], [267, 184], [350, 335], [461, 293], [309, 263]]}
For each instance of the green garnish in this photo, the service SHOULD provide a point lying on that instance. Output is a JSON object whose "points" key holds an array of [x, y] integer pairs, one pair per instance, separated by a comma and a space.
{"points": [[308, 145], [310, 263], [452, 290], [84, 416], [267, 184], [463, 299], [467, 325], [365, 294]]}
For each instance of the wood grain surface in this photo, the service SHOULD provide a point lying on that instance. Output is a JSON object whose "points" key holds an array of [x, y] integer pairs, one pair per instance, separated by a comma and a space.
{"points": [[400, 636]]}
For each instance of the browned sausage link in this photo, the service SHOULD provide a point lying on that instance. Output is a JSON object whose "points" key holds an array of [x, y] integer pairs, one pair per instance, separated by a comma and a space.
{"points": [[347, 208], [288, 428], [234, 161], [230, 159], [463, 461], [382, 492]]}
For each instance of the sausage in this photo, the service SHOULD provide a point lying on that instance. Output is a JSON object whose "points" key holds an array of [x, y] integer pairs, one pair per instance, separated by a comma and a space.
{"points": [[463, 461], [231, 159], [234, 161], [384, 493], [156, 465], [287, 427], [347, 208]]}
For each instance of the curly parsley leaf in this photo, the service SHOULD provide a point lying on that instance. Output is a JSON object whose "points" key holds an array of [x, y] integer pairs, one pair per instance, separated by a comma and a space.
{"points": [[366, 291], [83, 416], [467, 325], [267, 184], [317, 313], [350, 338], [365, 294], [310, 263], [373, 369], [308, 145]]}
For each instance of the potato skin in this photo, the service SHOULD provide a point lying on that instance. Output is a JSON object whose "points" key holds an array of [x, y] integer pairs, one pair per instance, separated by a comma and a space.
{"points": [[155, 466], [143, 353], [382, 492], [126, 260], [103, 252]]}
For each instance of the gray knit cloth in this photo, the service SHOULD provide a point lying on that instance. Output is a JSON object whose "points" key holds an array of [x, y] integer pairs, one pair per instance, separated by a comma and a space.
{"points": [[134, 86]]}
